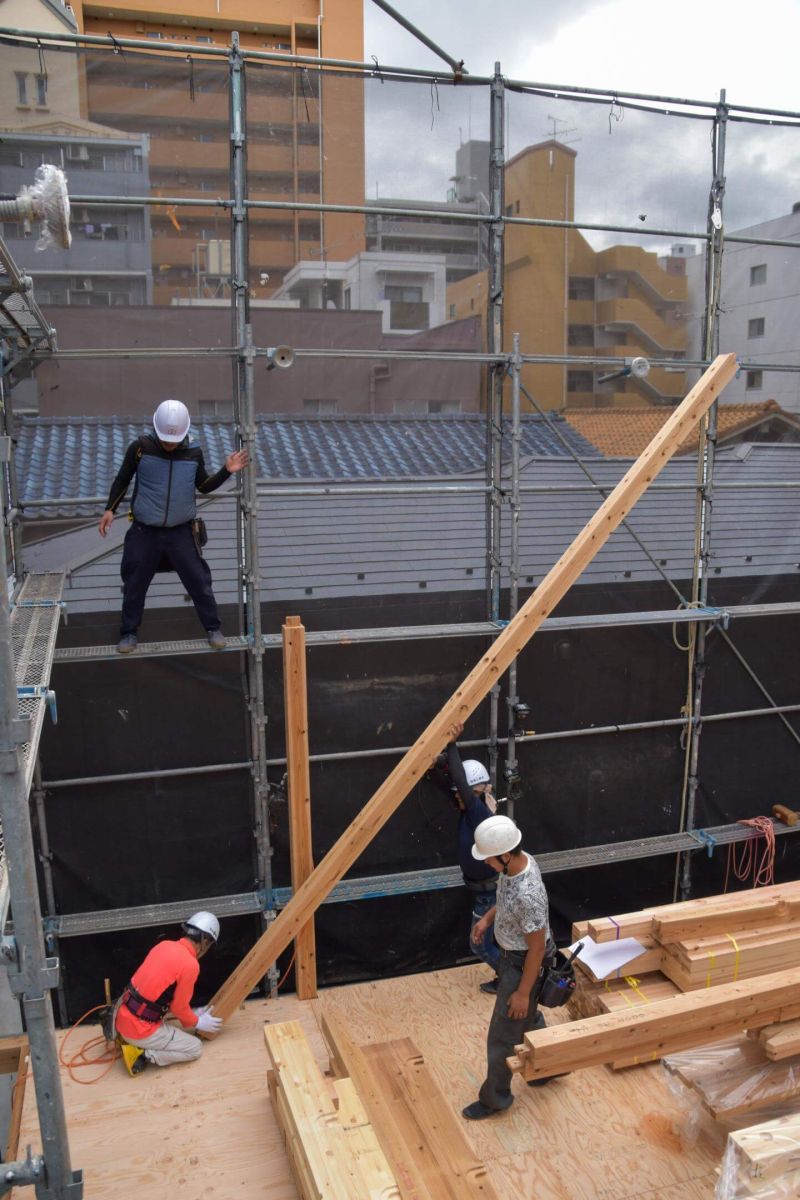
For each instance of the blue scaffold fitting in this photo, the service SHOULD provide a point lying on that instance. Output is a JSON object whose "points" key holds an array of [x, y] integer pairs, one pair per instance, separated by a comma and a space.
{"points": [[705, 839]]}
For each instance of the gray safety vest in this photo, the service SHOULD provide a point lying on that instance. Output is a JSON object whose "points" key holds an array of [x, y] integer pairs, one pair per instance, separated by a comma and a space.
{"points": [[165, 491]]}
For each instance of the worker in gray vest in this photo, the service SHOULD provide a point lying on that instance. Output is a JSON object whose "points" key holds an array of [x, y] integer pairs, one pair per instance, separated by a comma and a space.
{"points": [[169, 471]]}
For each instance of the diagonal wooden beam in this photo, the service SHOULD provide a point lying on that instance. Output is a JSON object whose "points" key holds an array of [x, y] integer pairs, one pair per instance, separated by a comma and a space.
{"points": [[478, 683]]}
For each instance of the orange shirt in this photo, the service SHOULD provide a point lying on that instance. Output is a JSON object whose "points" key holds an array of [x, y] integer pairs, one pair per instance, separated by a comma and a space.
{"points": [[167, 963]]}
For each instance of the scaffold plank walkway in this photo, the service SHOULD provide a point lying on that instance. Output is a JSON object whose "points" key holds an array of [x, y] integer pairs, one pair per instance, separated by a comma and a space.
{"points": [[207, 1129], [34, 625]]}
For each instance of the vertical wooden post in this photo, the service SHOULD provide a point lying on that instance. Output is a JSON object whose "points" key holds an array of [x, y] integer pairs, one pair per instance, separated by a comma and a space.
{"points": [[299, 787]]}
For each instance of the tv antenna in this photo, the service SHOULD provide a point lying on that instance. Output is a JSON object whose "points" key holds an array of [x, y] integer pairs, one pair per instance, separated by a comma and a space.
{"points": [[562, 136]]}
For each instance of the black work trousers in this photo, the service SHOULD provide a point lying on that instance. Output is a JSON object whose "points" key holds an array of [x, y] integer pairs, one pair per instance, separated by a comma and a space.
{"points": [[505, 1033], [145, 547]]}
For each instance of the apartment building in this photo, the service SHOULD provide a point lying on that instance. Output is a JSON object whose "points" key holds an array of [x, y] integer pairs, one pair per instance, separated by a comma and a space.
{"points": [[759, 311], [42, 121], [304, 131], [564, 297]]}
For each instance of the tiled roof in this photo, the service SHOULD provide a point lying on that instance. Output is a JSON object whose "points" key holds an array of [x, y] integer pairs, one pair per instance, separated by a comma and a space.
{"points": [[333, 546], [75, 456], [625, 432]]}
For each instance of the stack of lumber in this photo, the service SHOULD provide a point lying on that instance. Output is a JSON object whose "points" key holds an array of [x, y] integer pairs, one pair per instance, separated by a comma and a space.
{"points": [[662, 1027], [781, 1041], [763, 1162], [381, 1123], [331, 1145], [718, 939], [735, 1077]]}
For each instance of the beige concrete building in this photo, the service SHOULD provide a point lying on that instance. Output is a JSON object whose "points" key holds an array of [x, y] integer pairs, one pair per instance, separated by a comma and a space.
{"points": [[564, 297]]}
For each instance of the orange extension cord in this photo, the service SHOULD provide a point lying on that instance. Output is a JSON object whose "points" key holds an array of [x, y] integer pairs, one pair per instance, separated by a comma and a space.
{"points": [[81, 1058], [755, 867]]}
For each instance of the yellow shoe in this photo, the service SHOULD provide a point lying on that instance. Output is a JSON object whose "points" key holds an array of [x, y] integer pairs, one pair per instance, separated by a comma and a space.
{"points": [[134, 1059]]}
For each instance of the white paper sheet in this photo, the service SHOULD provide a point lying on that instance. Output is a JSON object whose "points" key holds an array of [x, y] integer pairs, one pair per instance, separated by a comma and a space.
{"points": [[604, 958]]}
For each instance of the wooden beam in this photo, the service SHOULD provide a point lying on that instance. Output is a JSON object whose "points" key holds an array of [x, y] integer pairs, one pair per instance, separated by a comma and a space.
{"points": [[663, 1027], [483, 677], [299, 787]]}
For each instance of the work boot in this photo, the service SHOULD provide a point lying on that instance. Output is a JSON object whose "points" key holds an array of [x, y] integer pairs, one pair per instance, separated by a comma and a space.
{"points": [[490, 986], [478, 1111], [546, 1079], [216, 639], [127, 643], [134, 1058]]}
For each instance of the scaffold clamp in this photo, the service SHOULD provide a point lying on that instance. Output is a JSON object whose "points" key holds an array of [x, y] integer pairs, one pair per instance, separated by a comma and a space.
{"points": [[705, 839], [41, 692]]}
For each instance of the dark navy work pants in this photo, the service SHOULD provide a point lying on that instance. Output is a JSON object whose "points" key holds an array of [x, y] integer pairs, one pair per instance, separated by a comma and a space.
{"points": [[145, 546]]}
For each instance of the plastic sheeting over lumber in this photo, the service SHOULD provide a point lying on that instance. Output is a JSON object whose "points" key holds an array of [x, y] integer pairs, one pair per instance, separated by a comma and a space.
{"points": [[475, 687]]}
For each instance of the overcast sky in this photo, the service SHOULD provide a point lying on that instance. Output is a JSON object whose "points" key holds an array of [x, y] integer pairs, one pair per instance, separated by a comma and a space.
{"points": [[629, 164]]}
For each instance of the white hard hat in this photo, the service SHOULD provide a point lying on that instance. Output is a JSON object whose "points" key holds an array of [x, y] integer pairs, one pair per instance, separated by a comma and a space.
{"points": [[171, 421], [494, 836], [205, 923], [475, 772]]}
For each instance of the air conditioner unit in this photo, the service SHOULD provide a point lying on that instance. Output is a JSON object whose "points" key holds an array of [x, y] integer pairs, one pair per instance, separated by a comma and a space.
{"points": [[218, 257], [81, 153]]}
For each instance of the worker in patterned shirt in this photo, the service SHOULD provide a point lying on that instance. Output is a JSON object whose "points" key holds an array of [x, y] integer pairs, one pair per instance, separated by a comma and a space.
{"points": [[522, 931]]}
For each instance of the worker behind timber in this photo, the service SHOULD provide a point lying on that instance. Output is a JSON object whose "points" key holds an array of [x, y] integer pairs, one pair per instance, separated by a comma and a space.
{"points": [[467, 784], [169, 471], [521, 927], [164, 984]]}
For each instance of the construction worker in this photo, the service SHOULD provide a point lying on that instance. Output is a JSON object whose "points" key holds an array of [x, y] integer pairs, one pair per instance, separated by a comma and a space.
{"points": [[163, 535], [521, 927], [163, 984], [468, 786]]}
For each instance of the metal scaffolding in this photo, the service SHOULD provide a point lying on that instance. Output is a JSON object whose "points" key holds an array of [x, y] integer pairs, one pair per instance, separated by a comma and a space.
{"points": [[34, 619]]}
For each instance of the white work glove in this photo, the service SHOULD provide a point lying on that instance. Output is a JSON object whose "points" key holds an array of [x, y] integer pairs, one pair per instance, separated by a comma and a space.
{"points": [[206, 1023], [198, 1012]]}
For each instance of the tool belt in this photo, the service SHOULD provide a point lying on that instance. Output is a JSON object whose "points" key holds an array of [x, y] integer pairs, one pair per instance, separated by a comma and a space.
{"points": [[556, 981], [480, 887], [153, 1011], [199, 533]]}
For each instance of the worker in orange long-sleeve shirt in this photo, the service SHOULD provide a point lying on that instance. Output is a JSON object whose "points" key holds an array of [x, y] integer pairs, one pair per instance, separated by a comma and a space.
{"points": [[164, 984]]}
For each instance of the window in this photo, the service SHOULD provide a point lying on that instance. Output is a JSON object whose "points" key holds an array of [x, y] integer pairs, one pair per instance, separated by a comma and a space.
{"points": [[755, 327], [580, 381], [319, 408], [22, 88], [346, 298], [407, 294], [452, 311], [581, 288], [758, 274], [444, 406], [754, 381], [580, 335], [41, 91]]}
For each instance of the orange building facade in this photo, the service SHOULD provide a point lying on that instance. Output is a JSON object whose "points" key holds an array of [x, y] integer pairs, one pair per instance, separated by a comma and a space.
{"points": [[565, 298], [304, 131]]}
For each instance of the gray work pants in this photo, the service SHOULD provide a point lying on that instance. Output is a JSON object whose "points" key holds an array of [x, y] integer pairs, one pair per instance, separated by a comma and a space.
{"points": [[169, 1044], [504, 1033]]}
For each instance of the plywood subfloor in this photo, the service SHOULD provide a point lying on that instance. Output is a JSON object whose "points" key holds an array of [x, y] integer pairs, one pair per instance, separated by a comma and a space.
{"points": [[205, 1131]]}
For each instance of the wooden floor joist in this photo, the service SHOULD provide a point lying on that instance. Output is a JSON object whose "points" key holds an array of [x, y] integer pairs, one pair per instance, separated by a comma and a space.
{"points": [[488, 671], [677, 1023], [424, 1142], [333, 1148]]}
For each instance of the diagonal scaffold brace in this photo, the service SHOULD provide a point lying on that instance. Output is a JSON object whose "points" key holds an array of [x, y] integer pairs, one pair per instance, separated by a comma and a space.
{"points": [[475, 687]]}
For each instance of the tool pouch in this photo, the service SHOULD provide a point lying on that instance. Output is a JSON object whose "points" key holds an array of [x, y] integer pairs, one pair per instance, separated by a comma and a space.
{"points": [[199, 533], [556, 982]]}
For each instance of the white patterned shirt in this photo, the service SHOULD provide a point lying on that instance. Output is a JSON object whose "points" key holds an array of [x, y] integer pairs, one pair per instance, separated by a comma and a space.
{"points": [[521, 907]]}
